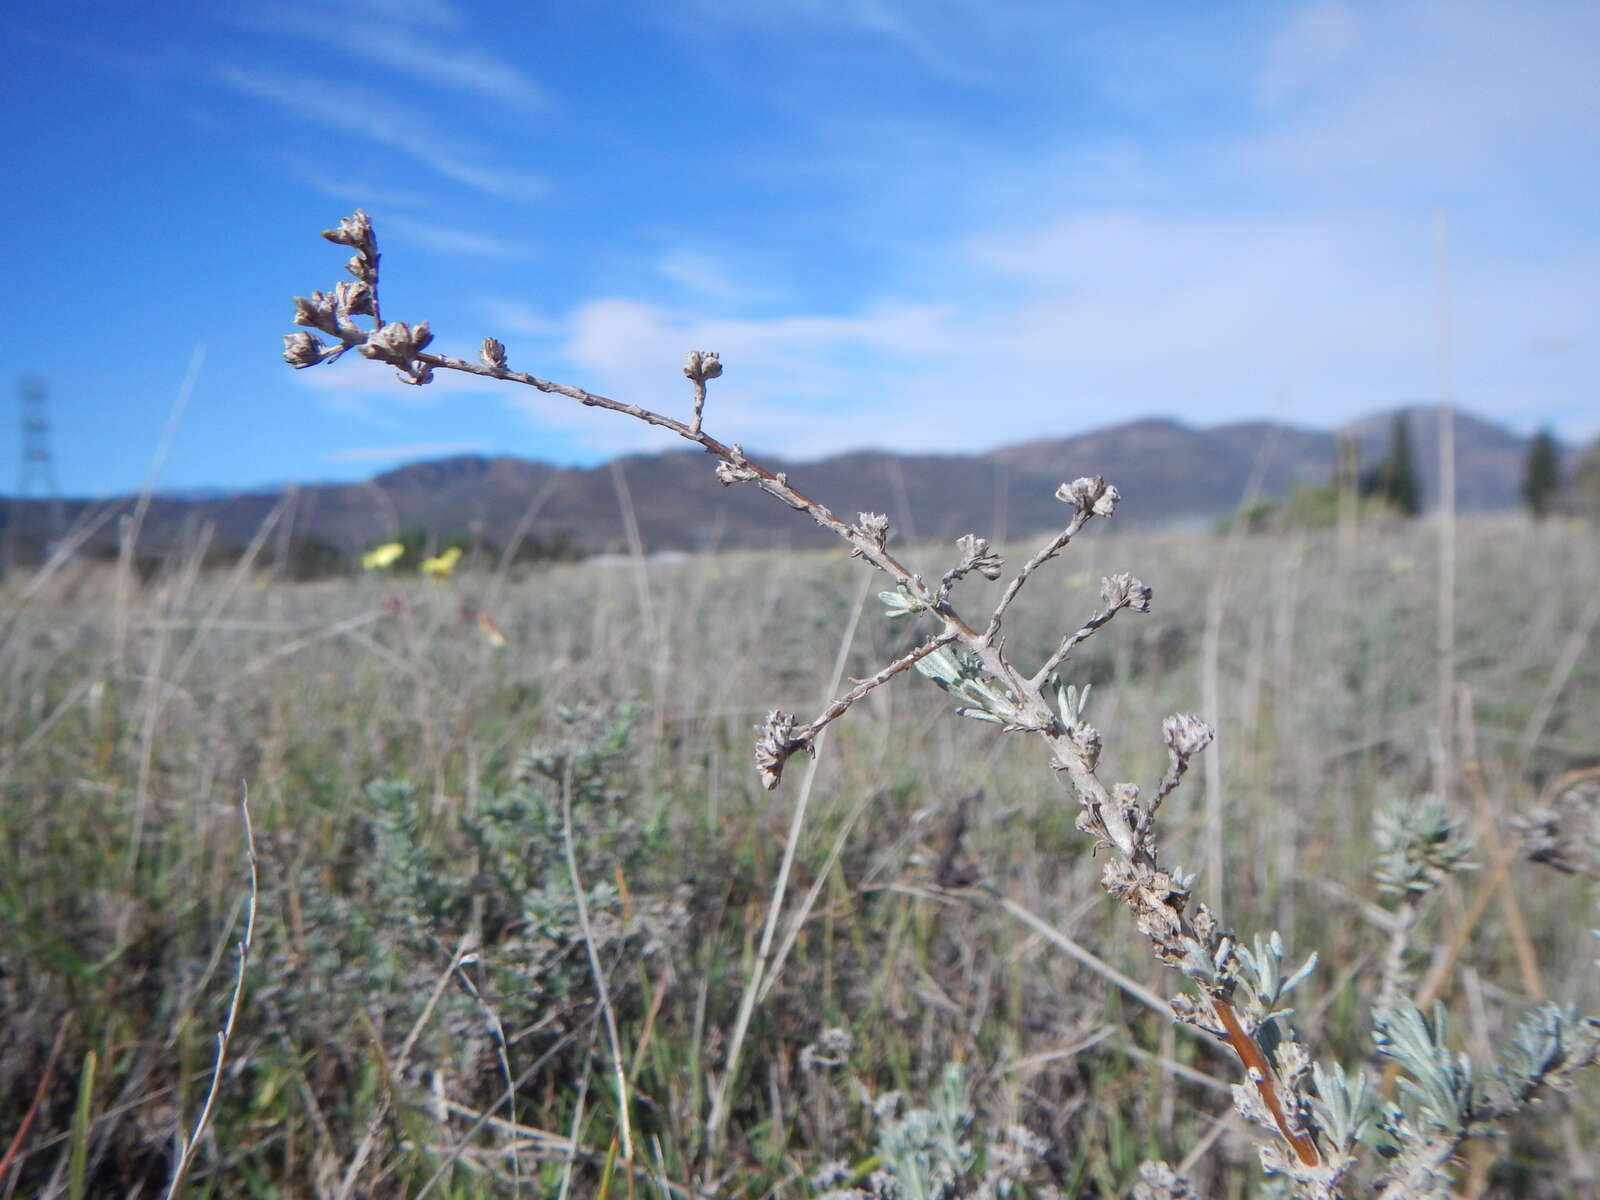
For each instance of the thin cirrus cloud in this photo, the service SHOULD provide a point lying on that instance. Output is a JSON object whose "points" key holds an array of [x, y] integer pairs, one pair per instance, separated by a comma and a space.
{"points": [[1314, 43], [1082, 322], [375, 118], [1210, 283], [444, 239], [1194, 296], [410, 38], [1413, 95], [809, 383], [360, 192], [463, 70], [701, 273]]}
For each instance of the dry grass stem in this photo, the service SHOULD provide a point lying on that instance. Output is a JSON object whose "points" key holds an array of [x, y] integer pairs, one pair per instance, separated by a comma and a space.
{"points": [[225, 1034]]}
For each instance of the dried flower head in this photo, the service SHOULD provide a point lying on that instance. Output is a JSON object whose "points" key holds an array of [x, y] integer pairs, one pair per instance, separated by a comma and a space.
{"points": [[354, 231], [774, 746], [319, 311], [398, 344], [976, 556], [353, 297], [701, 365], [302, 349], [1089, 494], [1125, 591], [492, 354], [1186, 735], [874, 527]]}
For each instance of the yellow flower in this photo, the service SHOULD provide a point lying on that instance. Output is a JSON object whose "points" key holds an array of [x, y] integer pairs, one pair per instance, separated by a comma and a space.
{"points": [[382, 556], [440, 566]]}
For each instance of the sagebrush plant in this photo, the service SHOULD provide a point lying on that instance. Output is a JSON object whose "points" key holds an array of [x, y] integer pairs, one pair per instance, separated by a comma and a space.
{"points": [[1315, 1121]]}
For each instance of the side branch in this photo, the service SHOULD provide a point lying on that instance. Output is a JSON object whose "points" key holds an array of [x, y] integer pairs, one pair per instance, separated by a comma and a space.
{"points": [[840, 705], [1116, 593], [1045, 553]]}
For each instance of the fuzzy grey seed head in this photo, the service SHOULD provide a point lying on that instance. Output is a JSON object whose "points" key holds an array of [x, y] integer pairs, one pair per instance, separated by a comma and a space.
{"points": [[735, 472], [976, 556], [354, 231], [397, 343], [775, 743], [1089, 494], [360, 268], [1186, 735], [353, 296], [492, 354], [317, 311], [875, 527], [1125, 591], [302, 349], [701, 365], [393, 343]]}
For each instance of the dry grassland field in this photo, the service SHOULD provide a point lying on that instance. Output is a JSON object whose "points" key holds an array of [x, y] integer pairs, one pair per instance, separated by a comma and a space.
{"points": [[458, 842]]}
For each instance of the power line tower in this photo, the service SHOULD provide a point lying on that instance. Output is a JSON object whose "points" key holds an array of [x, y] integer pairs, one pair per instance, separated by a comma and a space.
{"points": [[36, 472]]}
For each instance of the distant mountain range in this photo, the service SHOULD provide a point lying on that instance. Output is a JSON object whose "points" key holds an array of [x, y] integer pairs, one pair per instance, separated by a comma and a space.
{"points": [[1167, 472]]}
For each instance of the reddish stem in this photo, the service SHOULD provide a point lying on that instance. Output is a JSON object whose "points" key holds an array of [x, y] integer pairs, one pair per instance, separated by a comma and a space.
{"points": [[38, 1098], [1254, 1060]]}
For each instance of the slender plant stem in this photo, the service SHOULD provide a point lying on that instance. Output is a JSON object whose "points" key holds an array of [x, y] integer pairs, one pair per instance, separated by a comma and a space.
{"points": [[225, 1035], [624, 1101], [758, 969]]}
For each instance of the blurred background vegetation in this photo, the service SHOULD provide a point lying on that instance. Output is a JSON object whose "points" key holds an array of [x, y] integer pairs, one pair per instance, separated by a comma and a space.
{"points": [[407, 774]]}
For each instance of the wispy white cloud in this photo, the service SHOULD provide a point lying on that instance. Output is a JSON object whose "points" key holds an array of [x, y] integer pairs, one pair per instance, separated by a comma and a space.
{"points": [[425, 41], [377, 119], [1094, 319], [1274, 261], [981, 44], [700, 273], [808, 384], [444, 239], [463, 69], [1418, 94], [516, 316], [437, 14], [1317, 39], [358, 191], [408, 451]]}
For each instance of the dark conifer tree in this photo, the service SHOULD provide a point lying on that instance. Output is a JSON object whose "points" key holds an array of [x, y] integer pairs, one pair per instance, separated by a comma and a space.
{"points": [[1541, 474], [1393, 479]]}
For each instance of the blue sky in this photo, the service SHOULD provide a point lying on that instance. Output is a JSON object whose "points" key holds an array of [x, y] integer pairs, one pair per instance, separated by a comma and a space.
{"points": [[937, 225]]}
